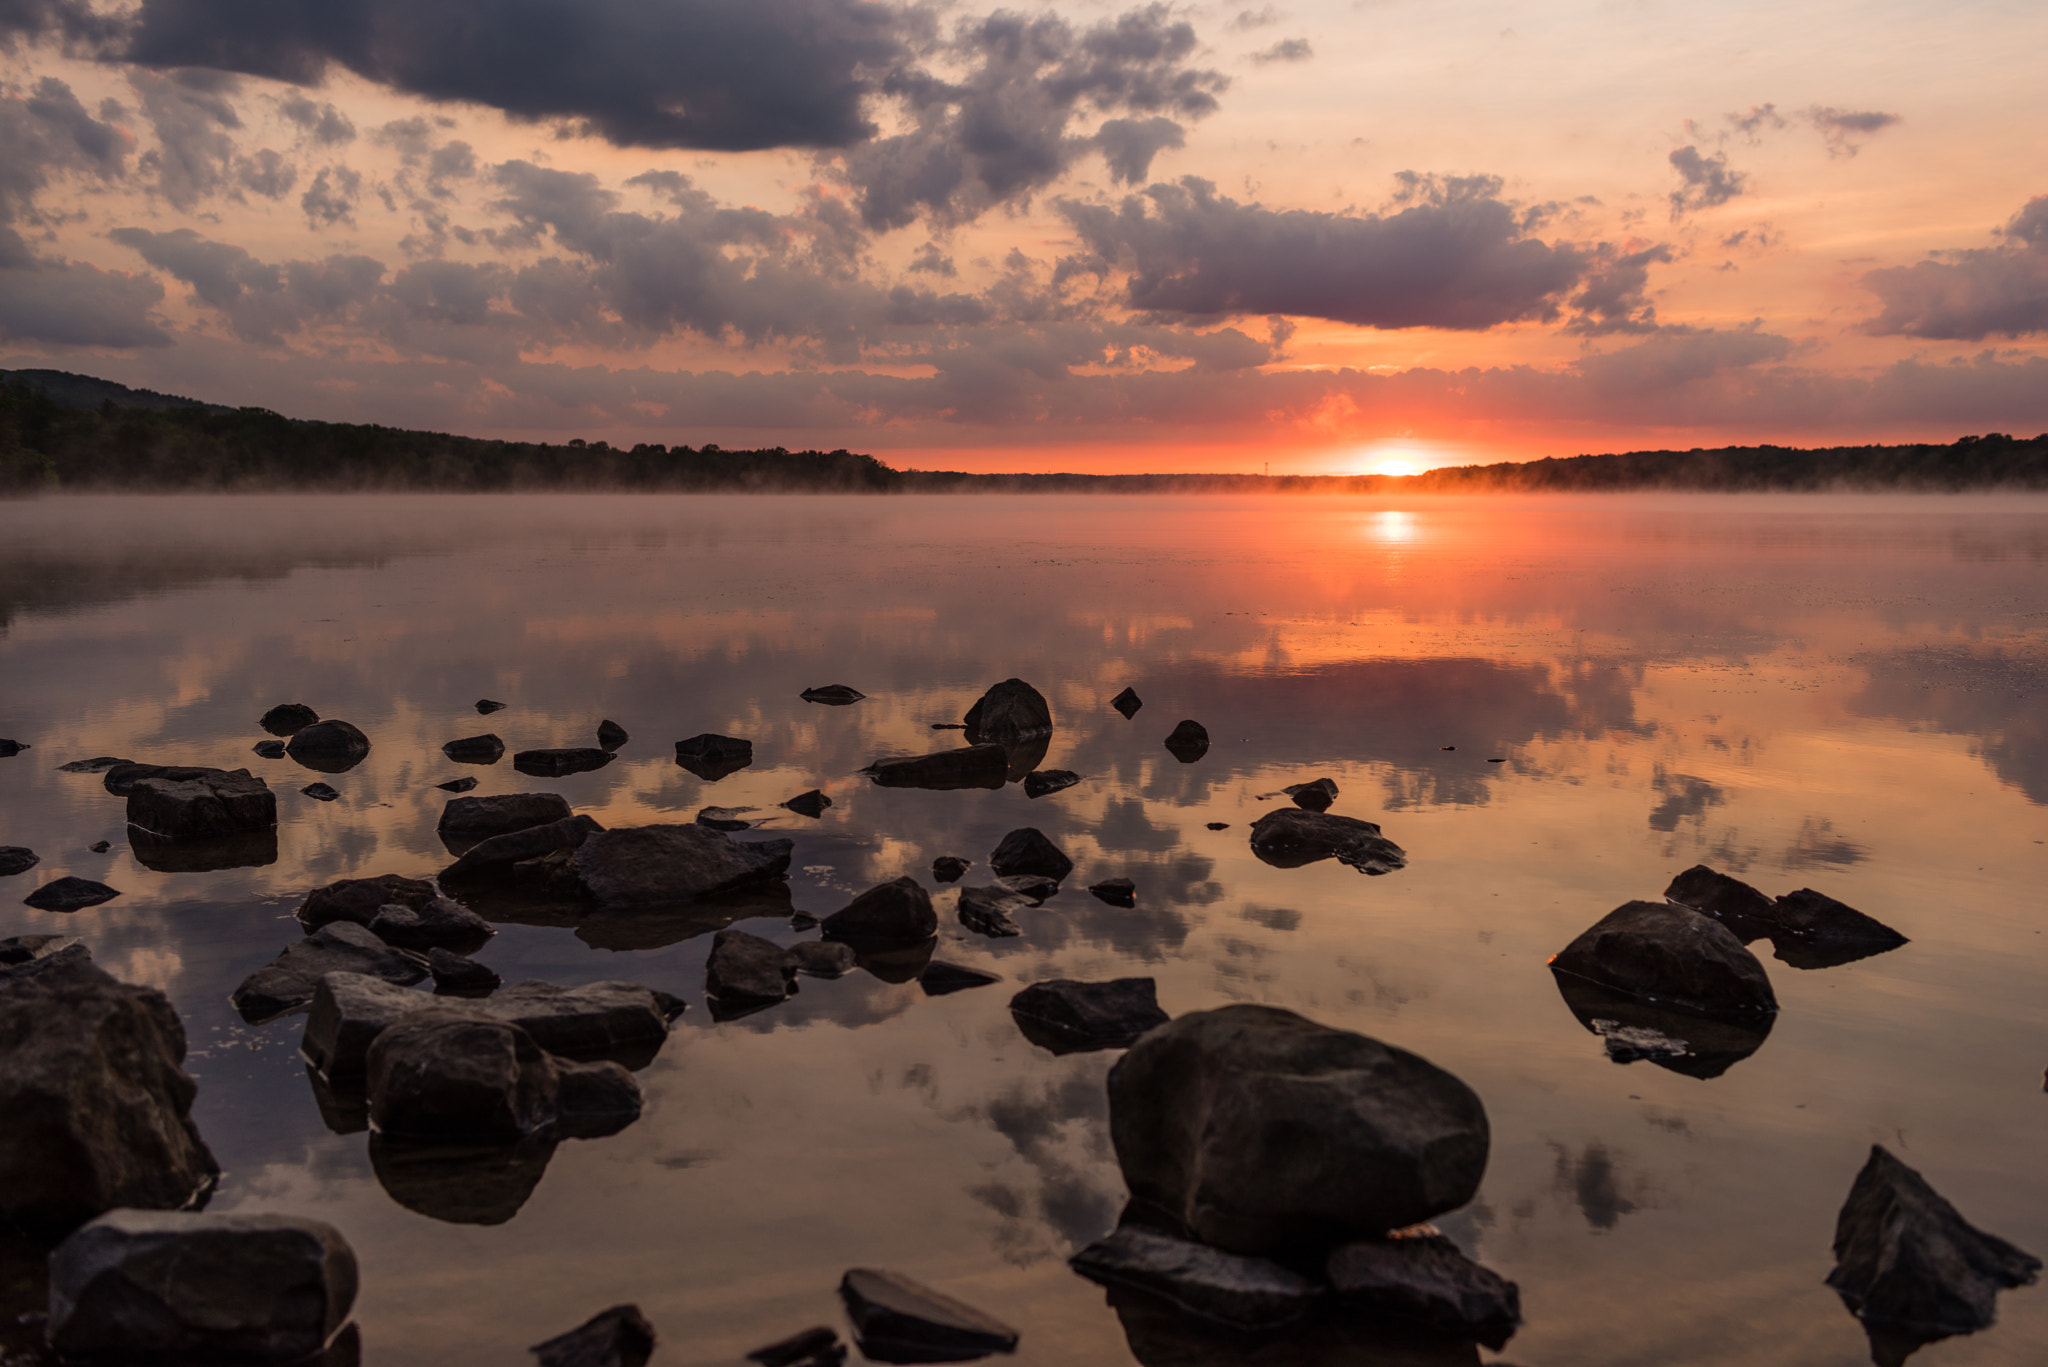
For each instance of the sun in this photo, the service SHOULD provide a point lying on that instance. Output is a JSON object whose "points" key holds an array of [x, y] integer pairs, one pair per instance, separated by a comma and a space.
{"points": [[1393, 465]]}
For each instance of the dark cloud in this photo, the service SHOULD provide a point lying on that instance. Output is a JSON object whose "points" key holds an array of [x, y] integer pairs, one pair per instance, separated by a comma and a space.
{"points": [[1751, 125], [1247, 19], [326, 125], [266, 173], [260, 301], [1705, 181], [331, 198], [194, 121], [71, 303], [931, 261], [1128, 145], [1615, 297], [50, 133], [1841, 128], [1286, 50], [1971, 294], [1460, 257], [73, 22]]}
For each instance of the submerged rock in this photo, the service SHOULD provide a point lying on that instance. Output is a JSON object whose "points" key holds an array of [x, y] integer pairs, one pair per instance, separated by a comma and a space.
{"points": [[811, 804], [939, 978], [1261, 1132], [898, 1320], [556, 763], [328, 746], [69, 894], [618, 1337], [1118, 892], [1127, 702], [464, 1184], [1426, 1280], [988, 911], [1188, 742], [641, 866], [456, 975], [1315, 796], [495, 857], [457, 785], [288, 718], [1162, 1334], [1010, 712], [1250, 1293], [1672, 955], [100, 846], [611, 735], [360, 899], [484, 749], [1027, 850], [17, 859], [1068, 1017], [833, 695], [480, 818], [977, 766], [320, 792], [442, 923], [212, 804], [1291, 837], [947, 868], [289, 981], [746, 973], [1044, 782], [249, 849], [824, 958], [17, 950], [898, 912], [713, 757], [486, 706]]}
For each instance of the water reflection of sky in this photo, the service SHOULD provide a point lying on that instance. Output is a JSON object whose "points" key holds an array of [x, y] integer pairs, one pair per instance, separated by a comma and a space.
{"points": [[1843, 694]]}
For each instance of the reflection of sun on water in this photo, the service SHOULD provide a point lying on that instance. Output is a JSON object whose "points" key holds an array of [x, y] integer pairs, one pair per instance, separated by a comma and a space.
{"points": [[1392, 527]]}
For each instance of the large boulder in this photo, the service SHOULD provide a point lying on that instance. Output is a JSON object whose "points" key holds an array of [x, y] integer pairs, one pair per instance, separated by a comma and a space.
{"points": [[1247, 1293], [97, 1104], [746, 973], [1426, 1280], [1291, 837], [898, 912], [219, 803], [1027, 850], [448, 1074], [442, 923], [646, 866], [289, 981], [1734, 903], [1070, 1017], [977, 766], [1010, 712], [1670, 954], [497, 856], [604, 1020], [360, 899], [348, 1012], [898, 1320], [168, 1287], [1261, 1132], [328, 746]]}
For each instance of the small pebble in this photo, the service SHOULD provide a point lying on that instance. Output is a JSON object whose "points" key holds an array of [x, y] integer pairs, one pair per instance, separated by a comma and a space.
{"points": [[320, 791]]}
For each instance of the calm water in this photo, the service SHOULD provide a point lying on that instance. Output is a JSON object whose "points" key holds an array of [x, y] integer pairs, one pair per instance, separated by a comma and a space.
{"points": [[1845, 694]]}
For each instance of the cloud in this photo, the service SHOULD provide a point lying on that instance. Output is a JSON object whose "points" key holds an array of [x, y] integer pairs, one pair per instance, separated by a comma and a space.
{"points": [[1286, 50], [1615, 297], [326, 125], [1128, 145], [1971, 294], [1752, 124], [261, 302], [73, 22], [1459, 258], [1706, 181], [1842, 127], [331, 198], [267, 174], [50, 133], [1247, 20], [71, 303], [193, 119]]}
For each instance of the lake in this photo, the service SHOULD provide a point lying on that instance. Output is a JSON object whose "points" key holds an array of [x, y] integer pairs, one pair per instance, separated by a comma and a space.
{"points": [[1553, 705]]}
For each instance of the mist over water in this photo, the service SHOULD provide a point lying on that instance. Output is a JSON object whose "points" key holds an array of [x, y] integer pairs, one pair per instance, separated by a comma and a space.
{"points": [[1553, 705]]}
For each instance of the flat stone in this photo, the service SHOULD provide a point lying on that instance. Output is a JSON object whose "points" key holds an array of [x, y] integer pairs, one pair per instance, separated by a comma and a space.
{"points": [[1069, 1017], [819, 1347], [1426, 1280], [898, 912], [485, 749], [811, 804], [833, 695], [616, 1020], [947, 868], [496, 856], [977, 766], [212, 804], [1026, 850], [1034, 888], [1248, 1293], [1118, 892], [1188, 742], [823, 958], [480, 818], [724, 818], [643, 866], [69, 894], [359, 899], [940, 978], [98, 764], [713, 757], [1044, 782], [289, 981], [1127, 702], [1291, 837], [898, 1320], [618, 1337], [16, 859], [555, 763], [288, 718], [988, 911], [16, 950], [1672, 955], [442, 922], [456, 975]]}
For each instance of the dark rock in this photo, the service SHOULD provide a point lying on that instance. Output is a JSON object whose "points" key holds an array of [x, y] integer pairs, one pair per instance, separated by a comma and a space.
{"points": [[1026, 850], [746, 972], [893, 913], [332, 747], [1162, 1334], [712, 758], [1291, 837], [99, 764], [947, 868], [1631, 1029], [486, 706], [555, 763], [463, 1184], [619, 1337], [596, 1099], [1813, 930], [640, 866], [1118, 892], [1314, 797], [1251, 1293], [1426, 1280], [269, 749], [496, 856], [288, 719], [824, 958], [654, 927], [320, 792], [158, 1286], [1189, 742], [1034, 888], [949, 726], [250, 849], [1025, 756], [288, 982], [100, 846], [480, 818], [17, 950], [819, 1347], [811, 804], [457, 785], [1010, 712], [348, 1012], [69, 894], [10, 748], [833, 695], [1070, 1017], [611, 735], [1041, 782], [1906, 1262], [16, 859], [1219, 825], [359, 899], [1735, 904], [484, 749], [1671, 955], [458, 976], [940, 978], [621, 1021], [897, 1320], [1127, 702], [442, 923], [208, 806], [122, 777], [98, 1107], [724, 818], [452, 1075], [1257, 1131], [987, 911], [977, 766]]}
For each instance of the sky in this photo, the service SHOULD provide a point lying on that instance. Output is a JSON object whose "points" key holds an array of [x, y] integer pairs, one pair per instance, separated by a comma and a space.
{"points": [[1312, 236]]}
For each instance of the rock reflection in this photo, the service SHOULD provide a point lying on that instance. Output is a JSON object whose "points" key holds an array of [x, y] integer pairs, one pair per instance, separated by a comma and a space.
{"points": [[659, 927], [1162, 1335], [1631, 1029], [462, 1184], [247, 850]]}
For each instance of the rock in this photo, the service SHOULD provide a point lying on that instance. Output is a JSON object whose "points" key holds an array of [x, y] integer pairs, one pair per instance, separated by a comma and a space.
{"points": [[1258, 1131], [593, 1100], [1218, 825], [1735, 904], [618, 1337], [480, 818], [609, 1020], [486, 706], [496, 856], [949, 726], [1671, 955], [940, 978], [898, 963], [724, 818], [348, 1012], [1813, 930], [214, 804], [1161, 1334], [746, 973], [329, 746], [17, 859], [1010, 712], [1188, 742], [987, 911], [100, 846], [98, 1106], [458, 976], [823, 958], [555, 763], [711, 757], [947, 868], [442, 923], [977, 766], [249, 849], [457, 785], [833, 695], [1291, 837], [288, 719], [289, 981], [10, 748], [897, 1320], [1908, 1263], [360, 899], [452, 1075], [1250, 1293], [898, 912], [158, 1286], [1631, 1029], [121, 779], [1118, 892], [1034, 888], [611, 735], [1068, 1017], [17, 950], [320, 792], [69, 894], [484, 749], [819, 1347], [1026, 850], [1426, 1280], [464, 1184], [99, 764], [1316, 796], [1127, 702], [1040, 782], [640, 866], [811, 804], [269, 749]]}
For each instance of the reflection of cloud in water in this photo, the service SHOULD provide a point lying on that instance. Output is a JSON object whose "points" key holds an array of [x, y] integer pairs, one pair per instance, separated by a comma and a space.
{"points": [[1682, 798], [1818, 846], [1593, 1179], [1070, 1190], [1995, 698]]}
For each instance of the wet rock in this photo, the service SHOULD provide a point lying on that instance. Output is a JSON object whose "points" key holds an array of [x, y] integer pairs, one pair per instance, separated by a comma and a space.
{"points": [[288, 719], [595, 1099], [449, 1075], [121, 779], [639, 866], [898, 1320], [898, 912], [457, 785], [289, 981], [897, 963], [1042, 782], [496, 856], [1027, 850], [1671, 955], [1813, 930], [1632, 1030], [463, 1184], [178, 1287], [1034, 888], [1070, 1017], [939, 978], [618, 1337], [100, 846], [819, 1347], [712, 757], [1735, 904], [811, 804], [211, 804], [1118, 892], [1908, 1265], [348, 1012], [1426, 1280], [456, 975], [1261, 1132], [359, 899], [1127, 702], [977, 766], [1316, 796], [824, 958], [486, 706], [329, 746], [611, 735], [1025, 756], [833, 695], [1291, 837], [480, 818], [16, 859], [1250, 1293], [10, 748], [17, 950], [988, 911], [69, 894], [1188, 742], [484, 749], [746, 973], [99, 764], [320, 792], [442, 923], [97, 1103], [556, 763], [724, 818], [621, 1021], [947, 868], [1010, 712], [269, 749]]}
